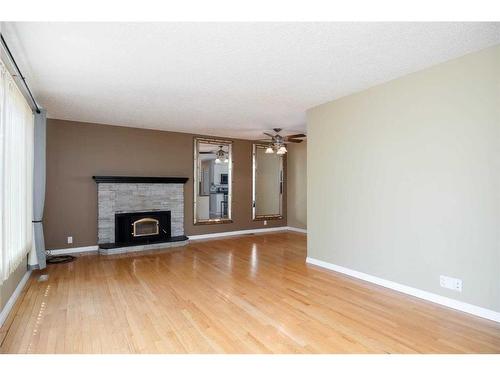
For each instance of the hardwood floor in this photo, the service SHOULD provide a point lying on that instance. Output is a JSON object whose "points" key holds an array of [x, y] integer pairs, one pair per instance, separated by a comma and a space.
{"points": [[249, 294]]}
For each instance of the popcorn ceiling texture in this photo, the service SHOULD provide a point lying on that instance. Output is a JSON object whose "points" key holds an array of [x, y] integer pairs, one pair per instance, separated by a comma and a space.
{"points": [[226, 79]]}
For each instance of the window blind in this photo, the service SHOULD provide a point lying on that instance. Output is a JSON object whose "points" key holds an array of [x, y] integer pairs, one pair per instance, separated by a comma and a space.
{"points": [[16, 175]]}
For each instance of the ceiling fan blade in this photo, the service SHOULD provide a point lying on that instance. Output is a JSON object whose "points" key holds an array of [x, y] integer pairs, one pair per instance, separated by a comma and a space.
{"points": [[277, 130], [296, 136], [269, 135], [294, 140]]}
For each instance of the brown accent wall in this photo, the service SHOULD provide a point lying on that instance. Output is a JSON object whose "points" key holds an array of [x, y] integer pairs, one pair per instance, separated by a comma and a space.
{"points": [[77, 151]]}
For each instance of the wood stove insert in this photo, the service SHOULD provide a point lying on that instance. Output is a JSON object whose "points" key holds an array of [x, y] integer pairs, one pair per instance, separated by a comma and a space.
{"points": [[136, 228]]}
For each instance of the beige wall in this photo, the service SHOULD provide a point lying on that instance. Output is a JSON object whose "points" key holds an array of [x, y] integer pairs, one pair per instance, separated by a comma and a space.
{"points": [[77, 151], [404, 179], [297, 185], [9, 285]]}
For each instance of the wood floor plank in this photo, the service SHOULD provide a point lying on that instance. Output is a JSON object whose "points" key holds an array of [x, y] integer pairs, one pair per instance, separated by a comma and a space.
{"points": [[248, 294]]}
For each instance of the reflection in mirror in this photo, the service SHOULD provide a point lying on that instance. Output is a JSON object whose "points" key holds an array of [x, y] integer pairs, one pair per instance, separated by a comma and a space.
{"points": [[212, 181], [267, 184]]}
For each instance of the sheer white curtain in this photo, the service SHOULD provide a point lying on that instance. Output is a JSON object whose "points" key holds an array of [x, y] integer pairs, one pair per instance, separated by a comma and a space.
{"points": [[16, 175]]}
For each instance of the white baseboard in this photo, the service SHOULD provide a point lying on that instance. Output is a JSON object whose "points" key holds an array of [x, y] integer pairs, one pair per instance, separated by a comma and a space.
{"points": [[72, 250], [445, 301], [86, 249], [13, 298], [294, 229], [237, 233]]}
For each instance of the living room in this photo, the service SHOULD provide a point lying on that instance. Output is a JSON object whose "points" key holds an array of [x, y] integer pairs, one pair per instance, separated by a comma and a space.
{"points": [[250, 187]]}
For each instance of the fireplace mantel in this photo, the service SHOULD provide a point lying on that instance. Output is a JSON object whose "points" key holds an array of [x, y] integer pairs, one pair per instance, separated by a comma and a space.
{"points": [[140, 180]]}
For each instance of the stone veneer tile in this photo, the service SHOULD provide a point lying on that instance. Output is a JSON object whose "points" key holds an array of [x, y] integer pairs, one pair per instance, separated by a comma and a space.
{"points": [[117, 197]]}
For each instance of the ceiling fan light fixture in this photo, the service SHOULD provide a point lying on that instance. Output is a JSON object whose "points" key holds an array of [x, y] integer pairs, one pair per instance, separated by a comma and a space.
{"points": [[277, 141], [281, 151], [221, 156]]}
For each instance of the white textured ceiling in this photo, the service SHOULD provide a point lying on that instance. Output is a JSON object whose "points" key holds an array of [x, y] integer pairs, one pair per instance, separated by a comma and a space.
{"points": [[227, 79]]}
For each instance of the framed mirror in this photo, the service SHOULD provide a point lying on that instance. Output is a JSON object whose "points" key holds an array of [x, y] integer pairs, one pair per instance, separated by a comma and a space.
{"points": [[212, 181], [267, 184]]}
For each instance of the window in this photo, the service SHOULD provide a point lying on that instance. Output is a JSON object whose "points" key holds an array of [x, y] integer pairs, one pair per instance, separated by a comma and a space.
{"points": [[16, 175]]}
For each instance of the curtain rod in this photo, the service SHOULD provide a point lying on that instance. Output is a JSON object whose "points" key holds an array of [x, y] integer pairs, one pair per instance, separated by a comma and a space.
{"points": [[19, 74]]}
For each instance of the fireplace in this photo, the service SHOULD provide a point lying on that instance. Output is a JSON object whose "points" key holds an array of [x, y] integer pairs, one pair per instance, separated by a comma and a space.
{"points": [[139, 213], [142, 227]]}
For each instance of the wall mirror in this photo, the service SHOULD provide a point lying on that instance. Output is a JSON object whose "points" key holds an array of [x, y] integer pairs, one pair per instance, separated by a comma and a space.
{"points": [[212, 181], [267, 184]]}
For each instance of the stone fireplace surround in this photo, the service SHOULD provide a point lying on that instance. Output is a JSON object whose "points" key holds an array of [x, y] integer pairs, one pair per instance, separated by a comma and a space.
{"points": [[120, 194]]}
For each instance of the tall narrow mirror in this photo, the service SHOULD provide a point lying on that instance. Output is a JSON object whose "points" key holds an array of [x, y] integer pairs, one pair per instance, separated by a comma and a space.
{"points": [[267, 184], [212, 181]]}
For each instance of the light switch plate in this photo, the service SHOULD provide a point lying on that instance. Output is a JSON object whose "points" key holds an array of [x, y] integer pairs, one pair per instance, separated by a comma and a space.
{"points": [[70, 239]]}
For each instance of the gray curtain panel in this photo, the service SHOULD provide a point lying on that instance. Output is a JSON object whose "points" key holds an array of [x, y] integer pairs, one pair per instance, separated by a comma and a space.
{"points": [[39, 186]]}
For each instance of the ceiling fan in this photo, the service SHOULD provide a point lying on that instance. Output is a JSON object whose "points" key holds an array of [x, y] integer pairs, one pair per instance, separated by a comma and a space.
{"points": [[278, 141], [220, 155]]}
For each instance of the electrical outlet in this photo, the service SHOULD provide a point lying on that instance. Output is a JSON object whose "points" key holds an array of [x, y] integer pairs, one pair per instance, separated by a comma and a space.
{"points": [[450, 283], [70, 239], [265, 222]]}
